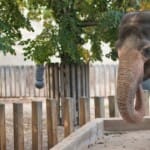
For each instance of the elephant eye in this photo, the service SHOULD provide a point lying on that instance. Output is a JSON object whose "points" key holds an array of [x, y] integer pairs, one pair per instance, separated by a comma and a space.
{"points": [[146, 52]]}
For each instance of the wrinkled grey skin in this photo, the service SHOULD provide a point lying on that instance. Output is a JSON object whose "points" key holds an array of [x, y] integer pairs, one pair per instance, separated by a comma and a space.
{"points": [[134, 64]]}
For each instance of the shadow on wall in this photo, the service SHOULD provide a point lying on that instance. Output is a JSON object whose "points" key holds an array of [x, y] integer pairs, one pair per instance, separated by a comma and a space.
{"points": [[146, 85]]}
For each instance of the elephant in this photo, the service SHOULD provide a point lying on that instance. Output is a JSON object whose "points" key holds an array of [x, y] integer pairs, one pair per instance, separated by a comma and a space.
{"points": [[133, 47]]}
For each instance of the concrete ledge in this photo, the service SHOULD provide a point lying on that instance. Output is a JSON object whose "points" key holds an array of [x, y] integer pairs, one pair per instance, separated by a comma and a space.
{"points": [[117, 124], [83, 137], [88, 134]]}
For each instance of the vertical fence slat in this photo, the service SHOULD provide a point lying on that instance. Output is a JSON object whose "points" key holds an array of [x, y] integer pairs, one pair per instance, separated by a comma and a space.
{"points": [[68, 116], [87, 86], [61, 91], [73, 91], [84, 111], [78, 81], [1, 91], [99, 107], [18, 126], [10, 81], [47, 80], [36, 125], [5, 82], [51, 122], [2, 128], [111, 106], [67, 80]]}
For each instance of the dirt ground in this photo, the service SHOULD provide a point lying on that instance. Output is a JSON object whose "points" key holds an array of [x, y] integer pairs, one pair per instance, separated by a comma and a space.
{"points": [[133, 140]]}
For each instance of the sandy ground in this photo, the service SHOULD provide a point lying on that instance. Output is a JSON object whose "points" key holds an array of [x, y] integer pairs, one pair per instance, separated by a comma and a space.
{"points": [[133, 140]]}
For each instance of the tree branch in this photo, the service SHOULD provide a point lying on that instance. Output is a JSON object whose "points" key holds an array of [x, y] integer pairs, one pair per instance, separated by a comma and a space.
{"points": [[88, 24]]}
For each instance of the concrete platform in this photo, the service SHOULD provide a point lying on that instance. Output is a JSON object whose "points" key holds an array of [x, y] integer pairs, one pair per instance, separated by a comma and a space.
{"points": [[87, 135]]}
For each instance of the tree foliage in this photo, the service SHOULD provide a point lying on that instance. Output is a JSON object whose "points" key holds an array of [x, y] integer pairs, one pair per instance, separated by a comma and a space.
{"points": [[11, 19], [67, 26]]}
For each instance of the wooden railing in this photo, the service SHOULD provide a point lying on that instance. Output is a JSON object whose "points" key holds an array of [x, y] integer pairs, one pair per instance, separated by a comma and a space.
{"points": [[46, 129]]}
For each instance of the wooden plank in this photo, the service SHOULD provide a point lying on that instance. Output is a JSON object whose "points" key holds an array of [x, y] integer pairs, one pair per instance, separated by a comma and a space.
{"points": [[5, 82], [36, 125], [51, 122], [110, 80], [84, 79], [99, 107], [92, 80], [1, 91], [2, 128], [97, 80], [68, 116], [87, 86], [10, 81], [62, 94], [78, 81], [73, 92], [84, 111], [56, 81], [47, 81], [18, 126], [66, 80], [111, 106], [104, 79], [20, 80], [51, 80], [25, 83], [43, 90], [57, 89]]}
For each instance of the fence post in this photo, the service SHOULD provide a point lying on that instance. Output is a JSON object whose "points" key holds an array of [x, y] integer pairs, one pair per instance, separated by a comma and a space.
{"points": [[111, 106], [84, 111], [99, 107], [51, 122], [68, 116], [2, 128], [36, 125], [146, 93], [18, 126]]}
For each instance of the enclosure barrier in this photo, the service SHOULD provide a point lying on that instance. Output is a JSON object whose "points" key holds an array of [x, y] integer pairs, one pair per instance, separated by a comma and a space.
{"points": [[36, 116], [51, 119], [19, 81]]}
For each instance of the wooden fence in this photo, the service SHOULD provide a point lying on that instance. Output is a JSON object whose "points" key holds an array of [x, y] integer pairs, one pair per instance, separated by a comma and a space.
{"points": [[36, 117], [19, 81], [52, 132], [103, 79]]}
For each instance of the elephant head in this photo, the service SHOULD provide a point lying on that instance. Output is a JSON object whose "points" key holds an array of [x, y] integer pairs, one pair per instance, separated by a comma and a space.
{"points": [[133, 47]]}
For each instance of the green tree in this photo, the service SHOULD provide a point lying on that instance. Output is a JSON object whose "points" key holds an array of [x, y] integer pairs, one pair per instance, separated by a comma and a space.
{"points": [[67, 26], [11, 20]]}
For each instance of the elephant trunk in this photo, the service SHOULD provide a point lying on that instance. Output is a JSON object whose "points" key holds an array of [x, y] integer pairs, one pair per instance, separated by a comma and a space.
{"points": [[130, 75]]}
